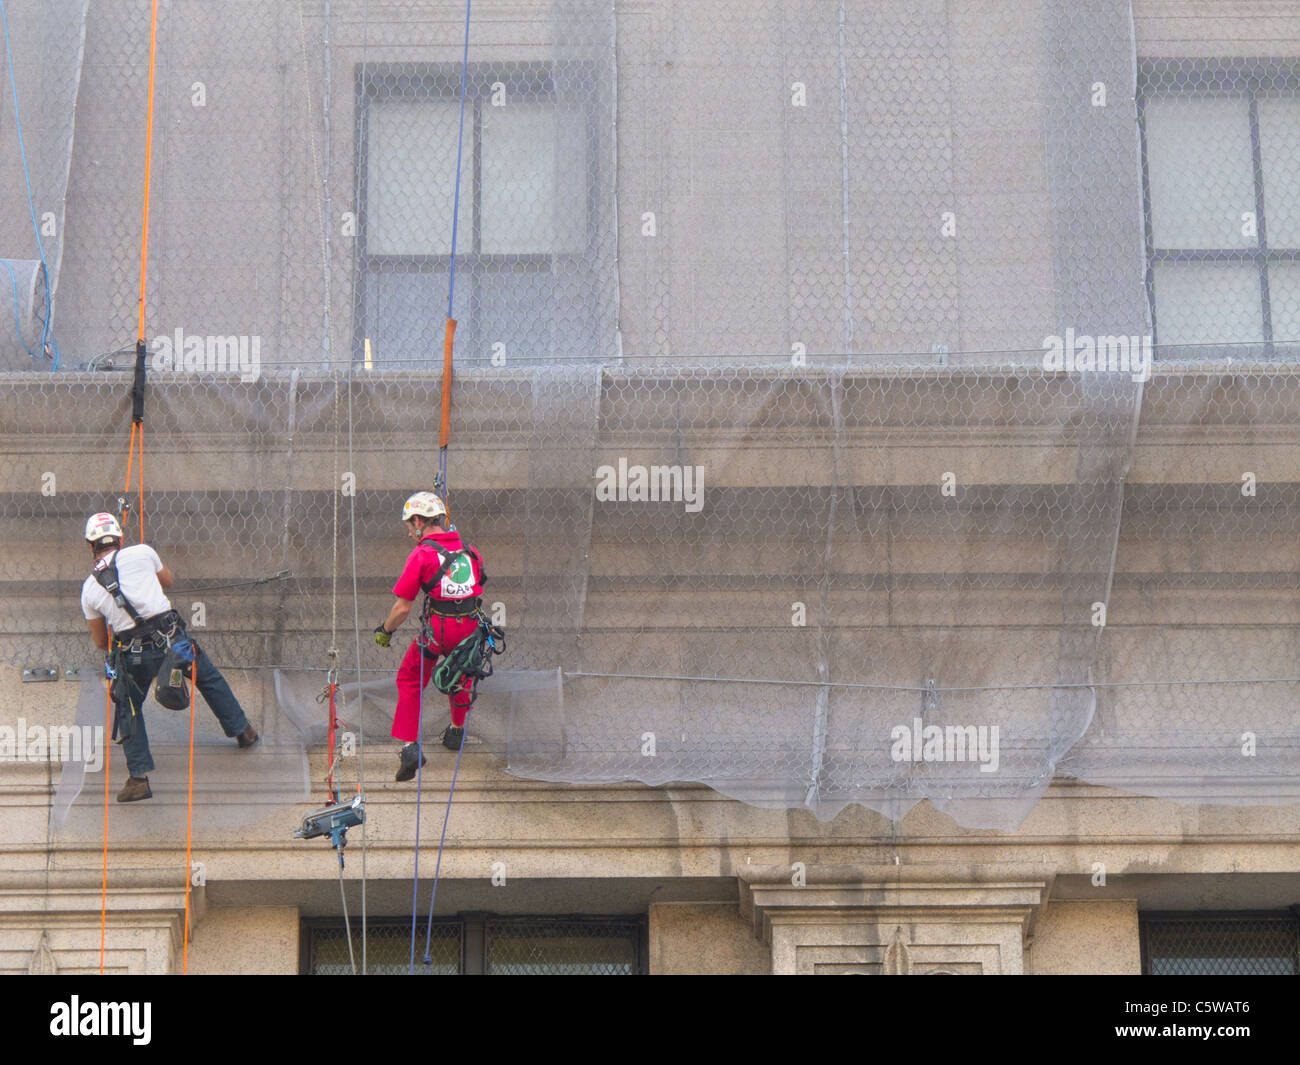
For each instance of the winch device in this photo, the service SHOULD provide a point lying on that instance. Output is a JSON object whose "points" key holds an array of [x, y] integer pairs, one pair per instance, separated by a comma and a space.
{"points": [[333, 821]]}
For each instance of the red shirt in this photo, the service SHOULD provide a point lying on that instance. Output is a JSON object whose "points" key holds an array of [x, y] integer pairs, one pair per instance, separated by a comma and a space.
{"points": [[463, 580]]}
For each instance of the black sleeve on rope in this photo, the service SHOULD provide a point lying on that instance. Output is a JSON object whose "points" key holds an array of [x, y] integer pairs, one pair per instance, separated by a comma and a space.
{"points": [[137, 386]]}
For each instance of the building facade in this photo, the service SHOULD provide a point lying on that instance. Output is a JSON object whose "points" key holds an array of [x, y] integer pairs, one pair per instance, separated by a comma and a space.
{"points": [[962, 338]]}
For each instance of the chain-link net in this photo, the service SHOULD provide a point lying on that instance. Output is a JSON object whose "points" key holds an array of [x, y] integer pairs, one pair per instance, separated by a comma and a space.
{"points": [[533, 946], [387, 944], [873, 403], [1221, 945]]}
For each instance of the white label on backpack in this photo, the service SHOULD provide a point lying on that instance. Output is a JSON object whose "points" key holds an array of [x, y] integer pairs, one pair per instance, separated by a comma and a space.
{"points": [[458, 581]]}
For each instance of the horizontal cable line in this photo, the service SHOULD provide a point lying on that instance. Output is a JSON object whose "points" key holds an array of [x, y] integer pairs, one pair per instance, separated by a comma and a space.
{"points": [[910, 688], [846, 684], [927, 356]]}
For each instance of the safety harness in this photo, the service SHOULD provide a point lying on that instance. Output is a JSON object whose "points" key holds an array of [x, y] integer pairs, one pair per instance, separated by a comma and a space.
{"points": [[471, 659], [165, 631], [449, 608]]}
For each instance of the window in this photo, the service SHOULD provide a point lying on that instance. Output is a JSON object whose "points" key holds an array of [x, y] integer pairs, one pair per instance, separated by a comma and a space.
{"points": [[482, 943], [1221, 176], [1219, 944], [526, 225]]}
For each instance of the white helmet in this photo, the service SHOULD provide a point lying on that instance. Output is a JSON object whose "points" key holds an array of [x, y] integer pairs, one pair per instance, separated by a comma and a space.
{"points": [[102, 527], [426, 504]]}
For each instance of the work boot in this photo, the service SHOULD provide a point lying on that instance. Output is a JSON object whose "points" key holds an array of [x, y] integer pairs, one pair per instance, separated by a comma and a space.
{"points": [[406, 765], [452, 738], [248, 738], [135, 789]]}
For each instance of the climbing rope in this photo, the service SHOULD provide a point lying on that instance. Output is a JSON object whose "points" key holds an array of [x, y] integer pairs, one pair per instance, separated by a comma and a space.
{"points": [[352, 523], [189, 815], [444, 438], [137, 444]]}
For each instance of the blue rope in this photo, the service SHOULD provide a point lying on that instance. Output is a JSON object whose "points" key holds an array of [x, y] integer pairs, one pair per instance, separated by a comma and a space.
{"points": [[419, 776], [18, 329], [442, 482], [46, 336], [428, 925], [460, 140]]}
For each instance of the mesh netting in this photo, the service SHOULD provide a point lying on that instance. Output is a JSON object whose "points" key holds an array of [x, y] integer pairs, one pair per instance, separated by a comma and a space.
{"points": [[868, 404]]}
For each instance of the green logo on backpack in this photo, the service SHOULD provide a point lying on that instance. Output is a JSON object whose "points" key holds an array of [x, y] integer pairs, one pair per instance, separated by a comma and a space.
{"points": [[458, 582]]}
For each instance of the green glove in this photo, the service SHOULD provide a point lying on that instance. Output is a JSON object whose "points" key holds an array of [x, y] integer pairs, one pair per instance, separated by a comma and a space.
{"points": [[382, 636]]}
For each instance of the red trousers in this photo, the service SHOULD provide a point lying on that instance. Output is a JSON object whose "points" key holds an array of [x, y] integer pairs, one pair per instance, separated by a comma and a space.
{"points": [[416, 669]]}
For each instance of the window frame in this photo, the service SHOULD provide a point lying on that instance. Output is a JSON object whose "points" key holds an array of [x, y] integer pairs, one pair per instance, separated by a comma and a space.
{"points": [[473, 934], [1147, 918], [1217, 78], [414, 82]]}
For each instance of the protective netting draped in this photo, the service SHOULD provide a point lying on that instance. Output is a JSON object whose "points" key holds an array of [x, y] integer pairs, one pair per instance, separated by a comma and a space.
{"points": [[45, 55], [855, 403]]}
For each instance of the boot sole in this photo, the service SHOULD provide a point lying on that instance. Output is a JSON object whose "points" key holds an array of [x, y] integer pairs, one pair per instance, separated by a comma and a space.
{"points": [[136, 798], [403, 775]]}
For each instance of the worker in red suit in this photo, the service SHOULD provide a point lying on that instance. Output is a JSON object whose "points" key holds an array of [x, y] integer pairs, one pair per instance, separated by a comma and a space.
{"points": [[451, 575]]}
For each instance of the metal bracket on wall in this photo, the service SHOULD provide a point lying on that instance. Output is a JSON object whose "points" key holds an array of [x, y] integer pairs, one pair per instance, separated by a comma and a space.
{"points": [[39, 674], [929, 697], [81, 673]]}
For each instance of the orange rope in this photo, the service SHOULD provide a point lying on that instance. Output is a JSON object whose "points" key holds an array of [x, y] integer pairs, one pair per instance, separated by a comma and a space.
{"points": [[189, 815], [140, 504], [108, 718], [103, 890], [137, 432], [445, 433], [130, 458], [148, 164]]}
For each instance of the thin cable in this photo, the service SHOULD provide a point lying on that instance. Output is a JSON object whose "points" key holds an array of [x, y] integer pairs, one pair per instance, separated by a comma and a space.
{"points": [[283, 575], [444, 439], [334, 597], [18, 328], [108, 761], [347, 922], [46, 336], [108, 732], [352, 525], [928, 358], [428, 926], [419, 767], [460, 139], [189, 813], [361, 724], [148, 170], [140, 481], [289, 668], [320, 174], [910, 688]]}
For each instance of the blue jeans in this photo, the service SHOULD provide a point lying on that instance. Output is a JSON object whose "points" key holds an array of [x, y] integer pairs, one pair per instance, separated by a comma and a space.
{"points": [[143, 668]]}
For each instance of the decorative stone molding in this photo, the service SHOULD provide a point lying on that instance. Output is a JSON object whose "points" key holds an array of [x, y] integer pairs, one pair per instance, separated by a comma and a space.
{"points": [[42, 963], [50, 921], [897, 920]]}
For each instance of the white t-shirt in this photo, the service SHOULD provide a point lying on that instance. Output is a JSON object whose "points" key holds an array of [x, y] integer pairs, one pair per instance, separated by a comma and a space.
{"points": [[137, 574]]}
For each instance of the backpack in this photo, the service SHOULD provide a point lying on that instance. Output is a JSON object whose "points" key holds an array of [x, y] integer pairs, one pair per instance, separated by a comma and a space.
{"points": [[472, 657], [172, 689], [450, 560]]}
